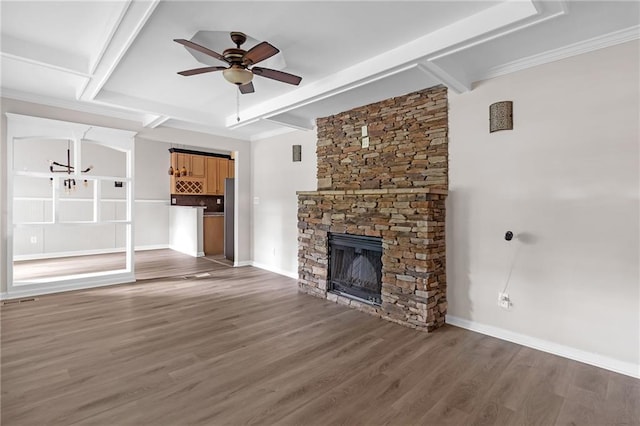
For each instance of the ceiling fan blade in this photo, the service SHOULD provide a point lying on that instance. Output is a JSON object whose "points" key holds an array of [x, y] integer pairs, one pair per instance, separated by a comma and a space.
{"points": [[259, 53], [277, 75], [246, 88], [199, 48], [201, 70]]}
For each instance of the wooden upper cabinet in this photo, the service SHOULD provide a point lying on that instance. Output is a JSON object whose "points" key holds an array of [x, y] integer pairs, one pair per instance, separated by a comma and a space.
{"points": [[194, 164], [212, 176], [232, 169], [223, 170], [183, 161], [217, 172], [205, 174], [194, 181], [198, 166]]}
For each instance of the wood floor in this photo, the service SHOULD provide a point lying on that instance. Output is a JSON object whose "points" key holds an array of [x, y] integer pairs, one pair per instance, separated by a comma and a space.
{"points": [[149, 264], [241, 346]]}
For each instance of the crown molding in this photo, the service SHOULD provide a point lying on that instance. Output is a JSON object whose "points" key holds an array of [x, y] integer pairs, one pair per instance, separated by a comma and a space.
{"points": [[608, 40]]}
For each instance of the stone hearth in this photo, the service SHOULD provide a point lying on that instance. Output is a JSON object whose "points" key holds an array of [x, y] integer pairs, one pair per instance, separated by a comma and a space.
{"points": [[396, 190]]}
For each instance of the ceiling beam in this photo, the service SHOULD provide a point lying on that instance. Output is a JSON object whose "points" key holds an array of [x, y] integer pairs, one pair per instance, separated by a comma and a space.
{"points": [[457, 35], [127, 29]]}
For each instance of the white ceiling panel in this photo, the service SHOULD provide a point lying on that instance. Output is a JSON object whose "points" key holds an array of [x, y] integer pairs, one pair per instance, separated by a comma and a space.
{"points": [[21, 76], [119, 57]]}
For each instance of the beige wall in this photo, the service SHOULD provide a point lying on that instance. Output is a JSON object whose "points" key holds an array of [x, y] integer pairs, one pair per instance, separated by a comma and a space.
{"points": [[566, 181], [276, 178]]}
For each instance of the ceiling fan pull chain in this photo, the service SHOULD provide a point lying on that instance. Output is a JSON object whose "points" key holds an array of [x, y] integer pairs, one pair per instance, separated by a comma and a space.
{"points": [[237, 106]]}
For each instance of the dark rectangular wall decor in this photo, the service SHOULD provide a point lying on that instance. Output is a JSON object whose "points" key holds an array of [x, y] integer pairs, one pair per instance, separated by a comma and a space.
{"points": [[297, 153], [392, 186]]}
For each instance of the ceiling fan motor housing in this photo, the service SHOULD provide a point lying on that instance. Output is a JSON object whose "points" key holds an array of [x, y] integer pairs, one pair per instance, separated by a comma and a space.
{"points": [[239, 60], [238, 38]]}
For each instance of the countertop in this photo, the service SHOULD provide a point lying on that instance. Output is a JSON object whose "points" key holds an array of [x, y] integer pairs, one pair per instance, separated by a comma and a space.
{"points": [[204, 213]]}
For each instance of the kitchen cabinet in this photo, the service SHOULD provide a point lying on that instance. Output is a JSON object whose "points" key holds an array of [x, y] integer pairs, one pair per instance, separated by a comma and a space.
{"points": [[194, 182], [231, 169], [205, 174], [223, 170], [217, 172], [213, 239], [198, 166], [193, 164]]}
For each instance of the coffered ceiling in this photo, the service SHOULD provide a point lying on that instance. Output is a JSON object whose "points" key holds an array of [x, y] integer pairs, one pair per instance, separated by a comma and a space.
{"points": [[118, 58]]}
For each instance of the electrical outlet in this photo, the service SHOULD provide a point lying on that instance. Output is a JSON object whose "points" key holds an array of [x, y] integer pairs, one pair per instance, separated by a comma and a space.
{"points": [[503, 301], [365, 142], [174, 201], [33, 239], [218, 201]]}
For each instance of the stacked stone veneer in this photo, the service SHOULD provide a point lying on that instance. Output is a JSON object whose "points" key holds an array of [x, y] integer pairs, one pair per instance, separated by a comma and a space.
{"points": [[394, 189]]}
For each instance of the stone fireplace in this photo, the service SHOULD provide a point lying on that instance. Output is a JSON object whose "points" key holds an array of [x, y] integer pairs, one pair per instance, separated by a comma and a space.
{"points": [[394, 190]]}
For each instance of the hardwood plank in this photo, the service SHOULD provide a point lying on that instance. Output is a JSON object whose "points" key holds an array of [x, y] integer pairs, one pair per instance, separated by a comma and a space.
{"points": [[241, 345]]}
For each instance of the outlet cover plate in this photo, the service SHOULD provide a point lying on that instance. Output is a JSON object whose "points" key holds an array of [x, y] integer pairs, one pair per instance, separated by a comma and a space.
{"points": [[503, 301]]}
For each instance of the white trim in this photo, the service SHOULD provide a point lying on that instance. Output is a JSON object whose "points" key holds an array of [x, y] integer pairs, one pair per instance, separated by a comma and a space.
{"points": [[155, 121], [242, 263], [23, 127], [90, 108], [275, 270], [126, 29], [608, 40], [187, 252], [602, 361], [56, 255], [152, 247], [434, 71], [75, 284]]}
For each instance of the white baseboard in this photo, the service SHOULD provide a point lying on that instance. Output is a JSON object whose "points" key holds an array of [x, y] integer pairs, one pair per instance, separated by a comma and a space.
{"points": [[242, 263], [187, 252], [151, 247], [608, 363], [279, 271]]}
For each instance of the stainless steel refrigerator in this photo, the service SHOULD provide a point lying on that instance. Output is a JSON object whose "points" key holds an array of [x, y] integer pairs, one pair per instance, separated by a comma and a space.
{"points": [[229, 201]]}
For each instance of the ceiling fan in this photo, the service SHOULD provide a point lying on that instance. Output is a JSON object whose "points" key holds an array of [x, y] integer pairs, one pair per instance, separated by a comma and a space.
{"points": [[239, 61]]}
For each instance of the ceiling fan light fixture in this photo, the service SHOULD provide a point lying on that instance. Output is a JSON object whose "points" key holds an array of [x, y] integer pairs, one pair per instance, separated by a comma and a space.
{"points": [[238, 75]]}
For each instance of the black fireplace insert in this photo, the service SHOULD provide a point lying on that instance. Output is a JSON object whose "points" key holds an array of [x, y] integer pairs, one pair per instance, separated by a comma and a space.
{"points": [[355, 266]]}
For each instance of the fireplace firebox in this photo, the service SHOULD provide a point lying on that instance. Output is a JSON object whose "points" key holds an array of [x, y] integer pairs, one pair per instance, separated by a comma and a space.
{"points": [[355, 266]]}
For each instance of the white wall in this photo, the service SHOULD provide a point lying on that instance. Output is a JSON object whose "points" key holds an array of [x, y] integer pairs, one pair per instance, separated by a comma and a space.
{"points": [[186, 230], [276, 178], [151, 215], [148, 173], [566, 181], [151, 199]]}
